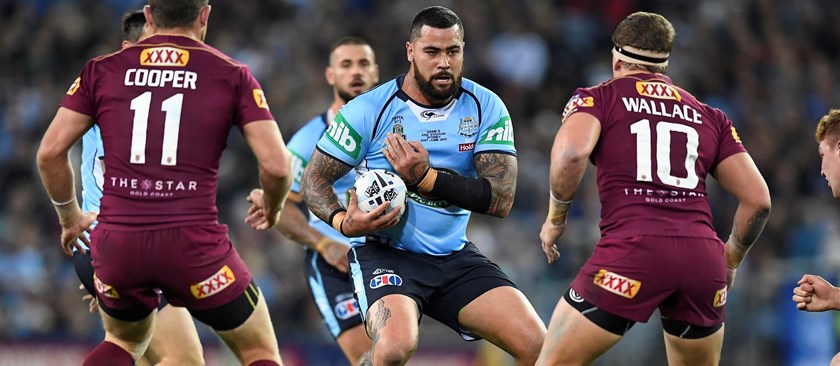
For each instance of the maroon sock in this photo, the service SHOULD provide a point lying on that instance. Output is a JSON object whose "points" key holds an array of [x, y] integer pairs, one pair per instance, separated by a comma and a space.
{"points": [[108, 354], [264, 363]]}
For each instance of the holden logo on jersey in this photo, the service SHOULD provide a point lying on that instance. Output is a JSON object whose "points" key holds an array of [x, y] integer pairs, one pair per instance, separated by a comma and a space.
{"points": [[468, 127], [657, 89], [720, 297], [501, 133], [105, 289], [617, 283], [344, 136], [574, 103], [259, 97], [470, 146], [346, 309], [429, 114], [213, 284], [164, 56], [76, 84], [385, 280]]}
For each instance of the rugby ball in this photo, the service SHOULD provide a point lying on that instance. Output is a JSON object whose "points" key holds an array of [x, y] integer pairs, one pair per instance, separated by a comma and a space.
{"points": [[377, 186]]}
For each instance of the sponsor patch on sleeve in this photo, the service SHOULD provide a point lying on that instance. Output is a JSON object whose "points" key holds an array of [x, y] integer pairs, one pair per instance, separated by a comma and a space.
{"points": [[259, 97], [343, 136], [735, 135], [577, 102], [76, 84], [499, 133]]}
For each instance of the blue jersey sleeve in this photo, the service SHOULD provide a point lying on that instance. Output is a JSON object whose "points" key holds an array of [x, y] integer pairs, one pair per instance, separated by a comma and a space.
{"points": [[496, 129], [348, 136], [301, 146]]}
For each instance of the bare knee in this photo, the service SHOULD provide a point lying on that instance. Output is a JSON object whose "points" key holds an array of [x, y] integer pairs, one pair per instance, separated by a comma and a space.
{"points": [[527, 350], [186, 360], [393, 351]]}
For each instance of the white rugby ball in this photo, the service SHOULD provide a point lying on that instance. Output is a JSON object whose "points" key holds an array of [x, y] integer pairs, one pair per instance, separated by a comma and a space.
{"points": [[376, 186]]}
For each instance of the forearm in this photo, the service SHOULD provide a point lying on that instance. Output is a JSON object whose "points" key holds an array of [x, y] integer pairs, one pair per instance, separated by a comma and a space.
{"points": [[492, 192], [276, 189], [57, 178], [316, 186], [295, 226], [747, 226]]}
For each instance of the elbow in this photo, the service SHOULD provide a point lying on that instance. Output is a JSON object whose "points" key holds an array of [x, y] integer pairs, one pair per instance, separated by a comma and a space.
{"points": [[46, 155], [278, 168]]}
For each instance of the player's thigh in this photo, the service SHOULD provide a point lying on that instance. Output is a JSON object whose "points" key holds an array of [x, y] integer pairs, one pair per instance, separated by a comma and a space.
{"points": [[254, 339], [392, 324], [572, 339], [504, 317], [354, 342], [132, 336], [694, 351], [174, 340]]}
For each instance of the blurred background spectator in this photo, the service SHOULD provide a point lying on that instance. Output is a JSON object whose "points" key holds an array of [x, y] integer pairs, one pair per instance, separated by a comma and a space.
{"points": [[771, 65]]}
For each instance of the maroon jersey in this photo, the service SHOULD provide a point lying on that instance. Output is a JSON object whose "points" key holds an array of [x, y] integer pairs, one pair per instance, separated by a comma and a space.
{"points": [[164, 107], [657, 145]]}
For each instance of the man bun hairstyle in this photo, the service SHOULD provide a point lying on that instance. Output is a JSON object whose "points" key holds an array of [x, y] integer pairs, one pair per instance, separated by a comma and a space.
{"points": [[435, 17], [643, 41], [175, 13]]}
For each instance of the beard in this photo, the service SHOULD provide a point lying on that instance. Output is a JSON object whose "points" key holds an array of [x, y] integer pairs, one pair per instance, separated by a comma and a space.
{"points": [[431, 91], [345, 95]]}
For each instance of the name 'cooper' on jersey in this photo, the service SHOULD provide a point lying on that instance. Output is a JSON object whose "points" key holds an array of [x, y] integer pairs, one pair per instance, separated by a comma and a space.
{"points": [[153, 86]]}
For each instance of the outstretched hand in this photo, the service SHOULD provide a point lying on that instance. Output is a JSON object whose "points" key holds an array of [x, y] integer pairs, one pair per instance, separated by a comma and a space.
{"points": [[814, 293], [73, 229], [259, 217]]}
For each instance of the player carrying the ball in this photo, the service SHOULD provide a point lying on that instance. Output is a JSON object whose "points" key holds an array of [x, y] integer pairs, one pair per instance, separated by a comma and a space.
{"points": [[451, 141]]}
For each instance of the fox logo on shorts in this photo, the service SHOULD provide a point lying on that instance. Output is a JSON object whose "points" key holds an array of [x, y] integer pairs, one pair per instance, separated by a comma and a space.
{"points": [[385, 280], [214, 284]]}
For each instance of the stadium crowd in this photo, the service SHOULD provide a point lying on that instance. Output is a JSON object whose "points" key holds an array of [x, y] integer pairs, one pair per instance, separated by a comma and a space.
{"points": [[769, 64]]}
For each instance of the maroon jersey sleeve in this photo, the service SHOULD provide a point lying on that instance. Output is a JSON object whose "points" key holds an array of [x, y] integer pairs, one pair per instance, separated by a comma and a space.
{"points": [[253, 105], [730, 142], [585, 100], [79, 97]]}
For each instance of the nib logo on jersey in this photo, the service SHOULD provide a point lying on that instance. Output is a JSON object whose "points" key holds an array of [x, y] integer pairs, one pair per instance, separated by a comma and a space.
{"points": [[501, 133], [164, 56], [388, 279], [344, 136], [213, 284], [617, 283]]}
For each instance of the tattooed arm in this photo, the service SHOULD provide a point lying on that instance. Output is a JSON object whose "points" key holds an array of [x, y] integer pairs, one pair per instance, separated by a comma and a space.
{"points": [[739, 176], [316, 185], [500, 171]]}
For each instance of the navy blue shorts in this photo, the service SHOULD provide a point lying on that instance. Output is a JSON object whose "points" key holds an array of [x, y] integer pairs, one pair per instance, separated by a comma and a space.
{"points": [[441, 285], [332, 291]]}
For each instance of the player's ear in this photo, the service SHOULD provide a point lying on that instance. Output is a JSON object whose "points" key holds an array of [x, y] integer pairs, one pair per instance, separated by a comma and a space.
{"points": [[329, 75], [147, 12], [409, 52], [204, 15]]}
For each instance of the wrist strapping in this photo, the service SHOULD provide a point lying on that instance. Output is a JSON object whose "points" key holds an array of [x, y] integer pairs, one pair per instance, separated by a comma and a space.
{"points": [[557, 209], [427, 181], [65, 203]]}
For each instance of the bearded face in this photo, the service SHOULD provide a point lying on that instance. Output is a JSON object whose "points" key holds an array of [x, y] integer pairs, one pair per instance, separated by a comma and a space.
{"points": [[440, 86]]}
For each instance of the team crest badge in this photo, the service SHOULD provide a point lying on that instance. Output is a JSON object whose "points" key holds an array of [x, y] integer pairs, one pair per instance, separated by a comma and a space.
{"points": [[398, 127], [468, 127]]}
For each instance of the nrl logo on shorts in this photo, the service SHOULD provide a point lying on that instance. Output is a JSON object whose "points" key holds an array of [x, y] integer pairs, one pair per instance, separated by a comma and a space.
{"points": [[617, 284], [468, 127], [213, 284]]}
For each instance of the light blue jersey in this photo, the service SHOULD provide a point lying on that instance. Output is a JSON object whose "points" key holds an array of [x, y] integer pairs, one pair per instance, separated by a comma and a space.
{"points": [[301, 146], [92, 172], [475, 121]]}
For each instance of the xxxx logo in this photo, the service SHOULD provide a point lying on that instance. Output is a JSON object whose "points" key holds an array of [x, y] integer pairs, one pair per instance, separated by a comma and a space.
{"points": [[164, 56], [720, 297], [214, 284], [617, 284], [657, 90]]}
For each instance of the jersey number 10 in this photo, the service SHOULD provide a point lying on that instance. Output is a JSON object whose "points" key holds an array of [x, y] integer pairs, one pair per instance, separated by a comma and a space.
{"points": [[172, 107], [663, 153]]}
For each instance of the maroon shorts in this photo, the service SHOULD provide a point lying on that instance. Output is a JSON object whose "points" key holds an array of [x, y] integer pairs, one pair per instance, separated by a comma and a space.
{"points": [[631, 277], [195, 266]]}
